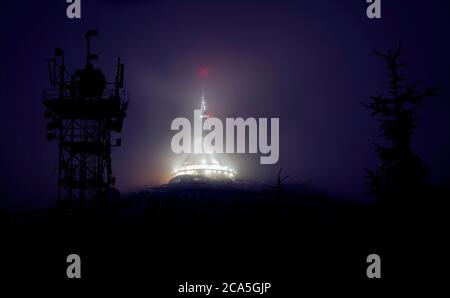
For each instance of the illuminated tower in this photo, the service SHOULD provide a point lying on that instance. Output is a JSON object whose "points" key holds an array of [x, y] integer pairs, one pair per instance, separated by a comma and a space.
{"points": [[202, 167]]}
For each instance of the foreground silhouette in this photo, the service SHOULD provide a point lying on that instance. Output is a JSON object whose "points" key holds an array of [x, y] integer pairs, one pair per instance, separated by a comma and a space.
{"points": [[400, 178]]}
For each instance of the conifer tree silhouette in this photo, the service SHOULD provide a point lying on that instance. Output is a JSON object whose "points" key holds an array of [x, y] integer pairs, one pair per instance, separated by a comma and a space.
{"points": [[401, 175]]}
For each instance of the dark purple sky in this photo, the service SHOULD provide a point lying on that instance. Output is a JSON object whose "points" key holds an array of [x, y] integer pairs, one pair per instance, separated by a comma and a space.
{"points": [[310, 63]]}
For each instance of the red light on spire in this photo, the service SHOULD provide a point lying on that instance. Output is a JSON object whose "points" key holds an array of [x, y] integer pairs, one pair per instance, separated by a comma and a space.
{"points": [[203, 72]]}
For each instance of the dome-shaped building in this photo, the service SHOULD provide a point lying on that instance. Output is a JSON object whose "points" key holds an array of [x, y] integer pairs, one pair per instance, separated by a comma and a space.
{"points": [[202, 167]]}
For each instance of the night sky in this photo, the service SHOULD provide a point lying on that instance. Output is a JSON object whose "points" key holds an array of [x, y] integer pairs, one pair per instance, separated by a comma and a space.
{"points": [[310, 63]]}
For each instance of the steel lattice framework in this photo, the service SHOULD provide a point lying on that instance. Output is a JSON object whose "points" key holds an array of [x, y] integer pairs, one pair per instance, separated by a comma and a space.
{"points": [[85, 111]]}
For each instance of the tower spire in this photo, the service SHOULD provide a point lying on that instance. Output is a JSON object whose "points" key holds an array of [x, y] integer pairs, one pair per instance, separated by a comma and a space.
{"points": [[203, 105], [203, 74]]}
